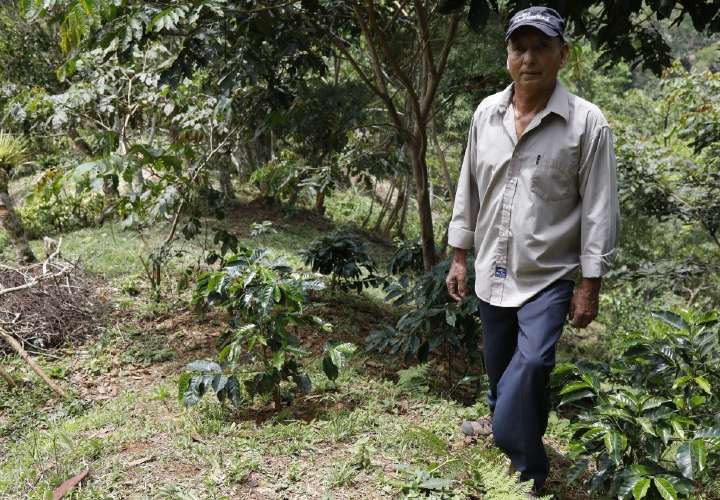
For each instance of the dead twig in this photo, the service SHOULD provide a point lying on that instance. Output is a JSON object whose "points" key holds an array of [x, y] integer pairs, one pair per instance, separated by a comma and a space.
{"points": [[7, 378], [24, 355]]}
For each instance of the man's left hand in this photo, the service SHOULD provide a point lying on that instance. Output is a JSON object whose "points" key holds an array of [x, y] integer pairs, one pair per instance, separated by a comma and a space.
{"points": [[584, 304]]}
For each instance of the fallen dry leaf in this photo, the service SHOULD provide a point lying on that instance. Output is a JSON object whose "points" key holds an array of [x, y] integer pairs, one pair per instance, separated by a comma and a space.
{"points": [[68, 485], [141, 461]]}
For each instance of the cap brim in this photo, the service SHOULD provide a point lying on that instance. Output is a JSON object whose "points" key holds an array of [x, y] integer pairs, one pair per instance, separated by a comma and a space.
{"points": [[551, 32]]}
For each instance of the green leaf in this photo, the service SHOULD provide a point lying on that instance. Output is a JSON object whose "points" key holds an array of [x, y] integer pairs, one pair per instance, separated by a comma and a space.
{"points": [[331, 371], [204, 367], [641, 488], [681, 381], [574, 396], [574, 386], [646, 425], [709, 432], [591, 380], [615, 444], [677, 427], [451, 316], [665, 488], [697, 400], [672, 319], [437, 484], [703, 383], [691, 458], [652, 402], [278, 359], [699, 452]]}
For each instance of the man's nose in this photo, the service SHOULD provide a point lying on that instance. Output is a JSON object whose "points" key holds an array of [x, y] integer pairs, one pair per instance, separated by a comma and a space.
{"points": [[530, 57]]}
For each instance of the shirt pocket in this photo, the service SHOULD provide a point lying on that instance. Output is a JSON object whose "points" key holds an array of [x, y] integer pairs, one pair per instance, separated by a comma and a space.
{"points": [[553, 179]]}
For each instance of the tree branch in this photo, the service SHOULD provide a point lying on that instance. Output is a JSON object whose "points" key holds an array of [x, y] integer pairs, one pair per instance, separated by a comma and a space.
{"points": [[434, 80], [377, 69], [176, 218], [390, 57], [425, 37], [339, 43]]}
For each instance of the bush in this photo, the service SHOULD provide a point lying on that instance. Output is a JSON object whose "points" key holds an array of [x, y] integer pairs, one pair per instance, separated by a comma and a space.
{"points": [[435, 320], [345, 259], [407, 258], [50, 208], [264, 301], [649, 421]]}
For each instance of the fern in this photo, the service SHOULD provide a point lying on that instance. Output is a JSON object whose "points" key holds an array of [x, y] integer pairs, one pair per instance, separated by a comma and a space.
{"points": [[415, 380], [497, 484]]}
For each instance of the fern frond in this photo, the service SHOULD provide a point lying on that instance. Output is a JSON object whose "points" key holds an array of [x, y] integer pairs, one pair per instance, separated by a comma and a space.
{"points": [[490, 474], [415, 380]]}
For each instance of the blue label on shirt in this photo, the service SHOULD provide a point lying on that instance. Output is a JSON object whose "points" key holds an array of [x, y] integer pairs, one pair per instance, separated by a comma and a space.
{"points": [[500, 272]]}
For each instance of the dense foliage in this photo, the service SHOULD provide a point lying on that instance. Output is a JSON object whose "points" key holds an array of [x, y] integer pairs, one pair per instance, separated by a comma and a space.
{"points": [[648, 421], [183, 121], [434, 322], [264, 302], [344, 258]]}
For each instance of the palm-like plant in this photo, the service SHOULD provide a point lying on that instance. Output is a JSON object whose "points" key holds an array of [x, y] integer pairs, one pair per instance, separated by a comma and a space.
{"points": [[13, 152]]}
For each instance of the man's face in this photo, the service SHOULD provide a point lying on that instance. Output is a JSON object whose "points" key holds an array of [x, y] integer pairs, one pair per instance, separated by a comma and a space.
{"points": [[534, 58]]}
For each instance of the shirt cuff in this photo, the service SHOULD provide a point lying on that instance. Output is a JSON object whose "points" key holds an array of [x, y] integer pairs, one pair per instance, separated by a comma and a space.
{"points": [[460, 238], [595, 266]]}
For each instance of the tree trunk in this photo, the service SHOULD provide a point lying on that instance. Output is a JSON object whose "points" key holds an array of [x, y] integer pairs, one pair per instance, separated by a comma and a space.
{"points": [[226, 182], [320, 202], [418, 150], [443, 161], [397, 208], [372, 205], [403, 215], [385, 206], [10, 222]]}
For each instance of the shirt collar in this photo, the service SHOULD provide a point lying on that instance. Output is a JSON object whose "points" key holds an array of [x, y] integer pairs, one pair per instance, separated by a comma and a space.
{"points": [[557, 104]]}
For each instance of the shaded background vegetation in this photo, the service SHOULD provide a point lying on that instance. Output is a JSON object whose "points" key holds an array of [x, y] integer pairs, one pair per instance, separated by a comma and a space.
{"points": [[178, 123]]}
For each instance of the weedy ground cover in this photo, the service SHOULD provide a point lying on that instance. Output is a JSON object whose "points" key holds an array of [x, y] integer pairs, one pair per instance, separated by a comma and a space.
{"points": [[381, 429]]}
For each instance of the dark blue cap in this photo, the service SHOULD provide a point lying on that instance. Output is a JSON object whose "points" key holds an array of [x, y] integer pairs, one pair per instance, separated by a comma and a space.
{"points": [[545, 19]]}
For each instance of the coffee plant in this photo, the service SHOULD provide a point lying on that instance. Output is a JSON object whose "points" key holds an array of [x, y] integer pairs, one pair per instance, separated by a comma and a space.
{"points": [[260, 350], [434, 320], [649, 421], [407, 258], [345, 259]]}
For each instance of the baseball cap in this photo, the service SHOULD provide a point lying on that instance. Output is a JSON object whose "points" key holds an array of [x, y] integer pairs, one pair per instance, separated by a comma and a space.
{"points": [[545, 19]]}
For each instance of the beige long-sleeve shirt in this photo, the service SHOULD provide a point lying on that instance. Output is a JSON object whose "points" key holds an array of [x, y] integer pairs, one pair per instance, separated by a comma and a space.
{"points": [[540, 208]]}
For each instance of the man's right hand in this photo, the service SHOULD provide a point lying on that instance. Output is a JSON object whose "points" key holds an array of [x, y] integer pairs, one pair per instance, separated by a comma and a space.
{"points": [[457, 275]]}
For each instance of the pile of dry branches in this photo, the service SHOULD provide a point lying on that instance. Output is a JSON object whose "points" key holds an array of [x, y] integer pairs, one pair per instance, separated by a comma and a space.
{"points": [[45, 303]]}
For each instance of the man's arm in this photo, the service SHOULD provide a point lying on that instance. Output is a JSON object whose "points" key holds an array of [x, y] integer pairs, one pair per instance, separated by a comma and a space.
{"points": [[457, 276], [585, 301], [599, 224], [461, 232]]}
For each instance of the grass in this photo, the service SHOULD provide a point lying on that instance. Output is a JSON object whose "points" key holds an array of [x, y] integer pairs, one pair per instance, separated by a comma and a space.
{"points": [[207, 450], [362, 436]]}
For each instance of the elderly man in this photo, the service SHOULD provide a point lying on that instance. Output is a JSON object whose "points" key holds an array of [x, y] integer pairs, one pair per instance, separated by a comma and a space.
{"points": [[537, 198]]}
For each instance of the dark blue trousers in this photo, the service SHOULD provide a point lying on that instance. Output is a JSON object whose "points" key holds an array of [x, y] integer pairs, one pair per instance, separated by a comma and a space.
{"points": [[519, 351]]}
